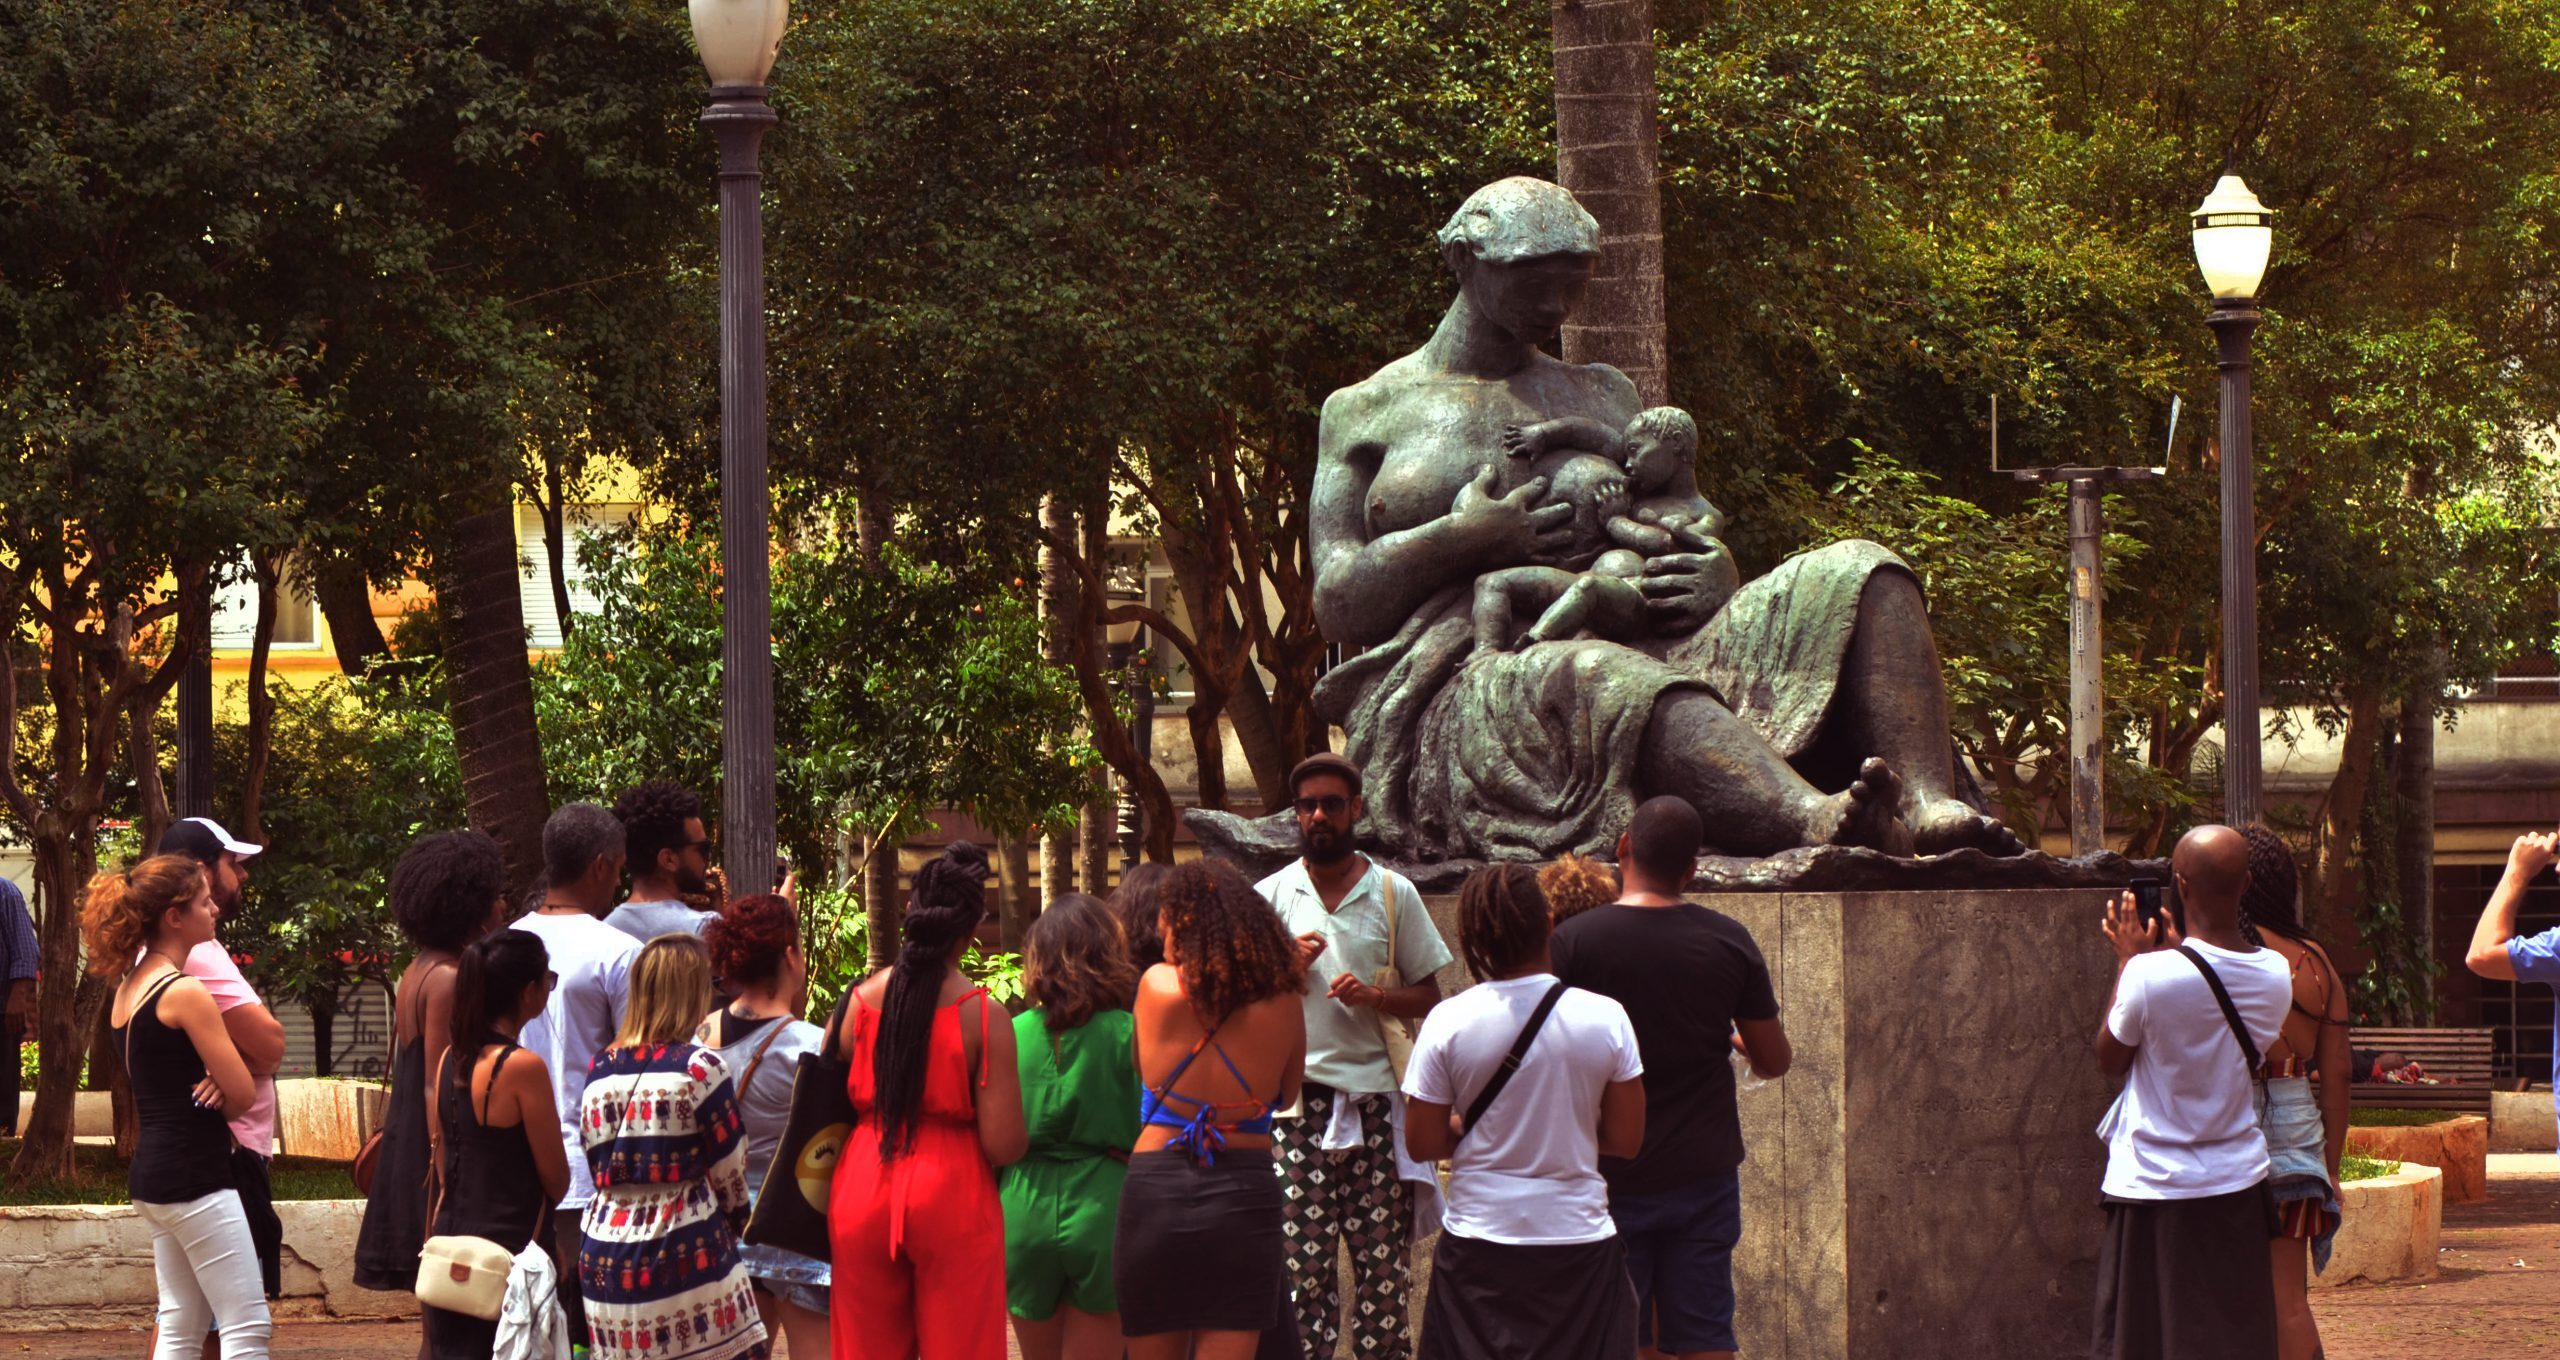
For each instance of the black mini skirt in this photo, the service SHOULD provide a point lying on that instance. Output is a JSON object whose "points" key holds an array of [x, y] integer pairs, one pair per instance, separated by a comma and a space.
{"points": [[1198, 1248]]}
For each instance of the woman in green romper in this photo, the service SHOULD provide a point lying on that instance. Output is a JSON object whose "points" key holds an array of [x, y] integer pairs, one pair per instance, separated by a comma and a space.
{"points": [[1080, 1100]]}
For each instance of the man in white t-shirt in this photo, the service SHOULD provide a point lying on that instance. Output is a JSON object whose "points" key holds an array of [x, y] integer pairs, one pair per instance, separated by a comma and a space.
{"points": [[1529, 1261], [1338, 1166], [2184, 1272], [582, 869]]}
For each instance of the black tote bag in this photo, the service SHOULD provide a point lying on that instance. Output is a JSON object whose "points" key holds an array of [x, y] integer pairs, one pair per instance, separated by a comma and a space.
{"points": [[791, 1205]]}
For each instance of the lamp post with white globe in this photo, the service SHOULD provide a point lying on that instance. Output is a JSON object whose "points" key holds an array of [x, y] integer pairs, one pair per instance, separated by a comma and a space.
{"points": [[2233, 234], [738, 40]]}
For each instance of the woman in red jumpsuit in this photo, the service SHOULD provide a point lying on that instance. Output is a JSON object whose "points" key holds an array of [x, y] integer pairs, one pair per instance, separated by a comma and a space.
{"points": [[917, 1230]]}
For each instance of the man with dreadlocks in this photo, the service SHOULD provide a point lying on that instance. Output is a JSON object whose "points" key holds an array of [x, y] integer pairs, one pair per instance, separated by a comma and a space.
{"points": [[1522, 1083]]}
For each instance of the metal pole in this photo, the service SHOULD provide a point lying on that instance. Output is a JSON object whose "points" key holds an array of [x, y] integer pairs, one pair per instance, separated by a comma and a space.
{"points": [[738, 118], [2233, 323], [2088, 658]]}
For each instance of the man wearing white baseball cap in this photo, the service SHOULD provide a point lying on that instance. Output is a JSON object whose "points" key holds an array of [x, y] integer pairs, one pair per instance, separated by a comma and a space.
{"points": [[254, 1030]]}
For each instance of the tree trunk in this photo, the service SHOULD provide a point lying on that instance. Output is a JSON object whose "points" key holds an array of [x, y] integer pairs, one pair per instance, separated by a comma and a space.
{"points": [[195, 694], [1607, 149], [262, 704], [2340, 881], [67, 1004], [1019, 901], [346, 601], [1058, 614], [142, 760], [490, 688], [2413, 784], [883, 909], [1093, 831], [555, 540], [1200, 579]]}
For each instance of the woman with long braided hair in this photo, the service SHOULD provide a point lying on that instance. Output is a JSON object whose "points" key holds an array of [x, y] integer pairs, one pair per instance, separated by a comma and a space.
{"points": [[917, 1231], [1529, 1265], [2306, 1129]]}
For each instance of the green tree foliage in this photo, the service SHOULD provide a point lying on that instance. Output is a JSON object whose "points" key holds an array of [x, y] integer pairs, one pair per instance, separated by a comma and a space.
{"points": [[898, 690]]}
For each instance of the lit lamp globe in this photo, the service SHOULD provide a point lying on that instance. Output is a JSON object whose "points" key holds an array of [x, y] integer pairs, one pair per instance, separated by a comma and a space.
{"points": [[738, 38], [2233, 231]]}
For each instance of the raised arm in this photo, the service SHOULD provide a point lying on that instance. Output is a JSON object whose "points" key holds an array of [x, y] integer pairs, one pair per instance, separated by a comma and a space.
{"points": [[1570, 432]]}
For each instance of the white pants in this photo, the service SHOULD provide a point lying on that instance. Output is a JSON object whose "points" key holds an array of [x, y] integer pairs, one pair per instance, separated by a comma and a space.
{"points": [[208, 1269]]}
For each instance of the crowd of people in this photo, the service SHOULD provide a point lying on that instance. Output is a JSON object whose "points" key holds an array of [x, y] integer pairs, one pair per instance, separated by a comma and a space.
{"points": [[1216, 1090]]}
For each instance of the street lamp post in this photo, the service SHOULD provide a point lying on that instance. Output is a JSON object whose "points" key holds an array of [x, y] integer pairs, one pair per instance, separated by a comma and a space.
{"points": [[738, 39], [2233, 232]]}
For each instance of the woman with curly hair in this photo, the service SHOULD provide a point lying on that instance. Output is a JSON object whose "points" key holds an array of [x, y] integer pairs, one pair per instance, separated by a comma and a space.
{"points": [[1574, 885], [755, 948], [913, 1216], [1135, 903], [1080, 1104], [448, 890], [185, 1073], [1529, 1265], [1197, 1261], [2302, 1091]]}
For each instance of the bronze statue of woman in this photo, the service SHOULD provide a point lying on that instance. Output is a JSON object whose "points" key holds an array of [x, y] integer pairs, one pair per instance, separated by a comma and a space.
{"points": [[1804, 708]]}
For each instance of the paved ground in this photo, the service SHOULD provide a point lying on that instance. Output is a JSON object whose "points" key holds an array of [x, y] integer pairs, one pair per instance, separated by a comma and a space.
{"points": [[2499, 1295], [293, 1341]]}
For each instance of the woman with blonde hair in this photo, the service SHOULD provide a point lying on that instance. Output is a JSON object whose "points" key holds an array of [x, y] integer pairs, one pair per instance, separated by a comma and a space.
{"points": [[185, 1073], [1574, 885], [665, 1138]]}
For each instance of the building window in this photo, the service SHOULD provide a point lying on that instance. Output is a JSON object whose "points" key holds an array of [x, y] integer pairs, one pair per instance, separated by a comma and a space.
{"points": [[533, 580], [235, 613]]}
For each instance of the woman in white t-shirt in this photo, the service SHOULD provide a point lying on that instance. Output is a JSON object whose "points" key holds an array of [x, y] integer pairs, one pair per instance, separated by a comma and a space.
{"points": [[1529, 1266]]}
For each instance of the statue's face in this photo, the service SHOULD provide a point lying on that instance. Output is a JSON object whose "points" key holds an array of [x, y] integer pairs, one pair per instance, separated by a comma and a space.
{"points": [[1529, 299]]}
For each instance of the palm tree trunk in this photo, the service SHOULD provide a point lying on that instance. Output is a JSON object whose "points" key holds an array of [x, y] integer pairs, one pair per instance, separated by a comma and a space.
{"points": [[490, 688], [1607, 152], [1058, 613]]}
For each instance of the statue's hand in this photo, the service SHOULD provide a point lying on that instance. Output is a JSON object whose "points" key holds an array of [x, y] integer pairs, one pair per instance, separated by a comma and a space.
{"points": [[1684, 590], [1511, 530]]}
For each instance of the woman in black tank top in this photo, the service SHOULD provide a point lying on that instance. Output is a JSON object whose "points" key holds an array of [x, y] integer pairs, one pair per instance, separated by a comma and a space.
{"points": [[185, 1074], [497, 1129]]}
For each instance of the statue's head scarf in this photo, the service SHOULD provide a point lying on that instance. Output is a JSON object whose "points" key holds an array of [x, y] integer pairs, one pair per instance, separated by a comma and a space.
{"points": [[1521, 218]]}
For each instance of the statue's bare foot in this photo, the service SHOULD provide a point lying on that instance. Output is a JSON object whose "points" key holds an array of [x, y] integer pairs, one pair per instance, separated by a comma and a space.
{"points": [[1939, 825], [1870, 811]]}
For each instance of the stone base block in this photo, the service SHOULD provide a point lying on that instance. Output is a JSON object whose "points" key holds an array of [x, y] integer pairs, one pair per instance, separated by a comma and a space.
{"points": [[81, 1266], [319, 1117], [93, 1113], [1924, 1183], [2459, 1146], [2522, 1121], [2389, 1231]]}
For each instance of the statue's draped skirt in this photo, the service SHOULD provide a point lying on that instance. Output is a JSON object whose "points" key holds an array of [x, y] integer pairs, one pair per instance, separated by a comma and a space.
{"points": [[1533, 753]]}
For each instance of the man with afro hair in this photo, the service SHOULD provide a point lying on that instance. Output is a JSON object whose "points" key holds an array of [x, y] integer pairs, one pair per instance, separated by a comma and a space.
{"points": [[670, 856]]}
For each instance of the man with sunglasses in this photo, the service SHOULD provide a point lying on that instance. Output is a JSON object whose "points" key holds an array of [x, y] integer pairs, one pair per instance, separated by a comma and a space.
{"points": [[1338, 1157], [670, 856]]}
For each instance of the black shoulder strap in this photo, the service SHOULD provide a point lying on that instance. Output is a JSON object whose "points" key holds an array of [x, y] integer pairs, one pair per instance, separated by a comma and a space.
{"points": [[1511, 1060], [2230, 1013]]}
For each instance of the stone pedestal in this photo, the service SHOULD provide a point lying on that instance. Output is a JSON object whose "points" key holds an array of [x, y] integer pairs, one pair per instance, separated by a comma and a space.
{"points": [[1923, 1184]]}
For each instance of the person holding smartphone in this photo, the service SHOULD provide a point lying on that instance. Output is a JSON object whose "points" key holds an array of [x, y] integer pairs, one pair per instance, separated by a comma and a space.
{"points": [[2499, 953]]}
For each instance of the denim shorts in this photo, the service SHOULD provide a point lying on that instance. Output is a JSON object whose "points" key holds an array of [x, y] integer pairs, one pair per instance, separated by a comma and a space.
{"points": [[1680, 1258]]}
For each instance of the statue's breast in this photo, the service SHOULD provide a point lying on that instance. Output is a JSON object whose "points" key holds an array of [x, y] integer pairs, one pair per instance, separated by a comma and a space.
{"points": [[1436, 441]]}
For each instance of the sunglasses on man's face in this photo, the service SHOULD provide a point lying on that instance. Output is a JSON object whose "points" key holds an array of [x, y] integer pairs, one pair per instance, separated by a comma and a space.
{"points": [[1331, 805]]}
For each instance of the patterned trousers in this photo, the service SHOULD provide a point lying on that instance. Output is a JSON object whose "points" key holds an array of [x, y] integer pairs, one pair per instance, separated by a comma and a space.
{"points": [[1350, 1195]]}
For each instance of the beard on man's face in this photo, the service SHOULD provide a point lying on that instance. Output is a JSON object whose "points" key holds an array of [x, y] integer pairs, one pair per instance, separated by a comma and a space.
{"points": [[1325, 843], [691, 880]]}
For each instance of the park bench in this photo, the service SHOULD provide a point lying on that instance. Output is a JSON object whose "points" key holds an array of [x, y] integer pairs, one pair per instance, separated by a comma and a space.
{"points": [[2464, 1062]]}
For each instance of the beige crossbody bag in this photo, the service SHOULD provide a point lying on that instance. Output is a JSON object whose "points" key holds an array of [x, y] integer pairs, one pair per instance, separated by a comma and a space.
{"points": [[1395, 1030]]}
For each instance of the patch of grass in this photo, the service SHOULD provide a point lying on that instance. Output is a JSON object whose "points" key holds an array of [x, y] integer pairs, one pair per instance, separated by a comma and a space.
{"points": [[2398, 1119], [2355, 1167], [98, 1178]]}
